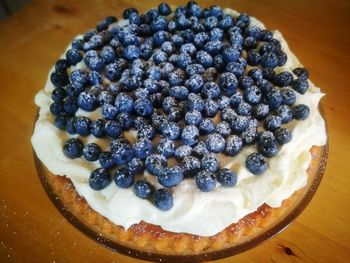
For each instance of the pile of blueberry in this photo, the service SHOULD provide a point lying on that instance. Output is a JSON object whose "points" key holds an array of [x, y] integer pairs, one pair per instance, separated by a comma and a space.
{"points": [[169, 77]]}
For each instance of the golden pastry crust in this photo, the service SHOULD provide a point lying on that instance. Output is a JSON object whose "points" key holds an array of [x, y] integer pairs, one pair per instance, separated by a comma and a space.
{"points": [[152, 238]]}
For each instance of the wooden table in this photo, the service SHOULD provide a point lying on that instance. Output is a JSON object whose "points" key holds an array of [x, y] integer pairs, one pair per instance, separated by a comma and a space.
{"points": [[32, 230]]}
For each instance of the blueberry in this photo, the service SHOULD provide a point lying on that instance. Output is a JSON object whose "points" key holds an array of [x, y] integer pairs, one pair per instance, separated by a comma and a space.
{"points": [[145, 51], [123, 178], [143, 107], [113, 71], [223, 102], [282, 58], [210, 108], [283, 79], [256, 163], [250, 42], [113, 129], [61, 66], [239, 123], [204, 59], [200, 149], [131, 53], [155, 163], [195, 102], [166, 147], [272, 122], [97, 128], [236, 68], [188, 48], [285, 113], [227, 177], [59, 80], [301, 73], [244, 109], [94, 62], [183, 151], [288, 96], [164, 9], [142, 148], [226, 22], [99, 179], [183, 60], [73, 56], [213, 47], [255, 74], [265, 135], [143, 189], [168, 48], [171, 130], [216, 34], [228, 83], [106, 160], [109, 112], [159, 57], [160, 37], [128, 11], [70, 126], [261, 111], [200, 39], [136, 166], [191, 165], [300, 85], [266, 35], [177, 78], [123, 153], [168, 104], [179, 92], [205, 181], [56, 108], [283, 135], [269, 60], [190, 135], [211, 22], [269, 74], [245, 82], [94, 78], [228, 115], [252, 95], [193, 118], [87, 101], [82, 126], [163, 199], [170, 176], [91, 152], [301, 112], [125, 120], [146, 131], [124, 103], [108, 54], [151, 85], [77, 44], [253, 58], [206, 126], [236, 99], [250, 134], [210, 162], [58, 94], [223, 128], [195, 83], [268, 147], [215, 142], [274, 98], [216, 11], [233, 145], [231, 54], [264, 85], [134, 19], [211, 90], [73, 148]]}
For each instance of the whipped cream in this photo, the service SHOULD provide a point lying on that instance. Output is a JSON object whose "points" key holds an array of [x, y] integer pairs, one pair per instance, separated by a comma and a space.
{"points": [[194, 212]]}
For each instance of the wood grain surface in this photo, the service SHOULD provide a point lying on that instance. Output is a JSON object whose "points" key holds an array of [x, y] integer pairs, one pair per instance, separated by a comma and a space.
{"points": [[32, 230]]}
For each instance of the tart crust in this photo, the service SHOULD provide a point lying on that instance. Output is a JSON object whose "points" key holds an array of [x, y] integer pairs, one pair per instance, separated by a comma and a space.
{"points": [[152, 238]]}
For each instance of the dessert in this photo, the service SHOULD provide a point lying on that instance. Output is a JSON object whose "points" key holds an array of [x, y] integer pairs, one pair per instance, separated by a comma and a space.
{"points": [[179, 131]]}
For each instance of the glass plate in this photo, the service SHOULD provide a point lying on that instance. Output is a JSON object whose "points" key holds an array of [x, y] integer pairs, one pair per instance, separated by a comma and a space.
{"points": [[299, 201]]}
